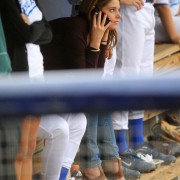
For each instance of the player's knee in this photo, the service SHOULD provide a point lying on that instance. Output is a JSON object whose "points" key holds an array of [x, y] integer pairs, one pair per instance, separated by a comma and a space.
{"points": [[80, 123], [62, 129]]}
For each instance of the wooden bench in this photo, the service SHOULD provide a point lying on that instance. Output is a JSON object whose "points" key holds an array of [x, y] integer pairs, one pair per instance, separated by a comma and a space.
{"points": [[166, 60], [37, 157]]}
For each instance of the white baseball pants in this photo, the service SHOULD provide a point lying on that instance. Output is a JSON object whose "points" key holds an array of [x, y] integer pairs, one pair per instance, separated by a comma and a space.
{"points": [[62, 134], [135, 52]]}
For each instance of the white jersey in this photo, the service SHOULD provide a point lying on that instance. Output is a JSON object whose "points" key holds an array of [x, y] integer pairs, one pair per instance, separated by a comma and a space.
{"points": [[35, 58]]}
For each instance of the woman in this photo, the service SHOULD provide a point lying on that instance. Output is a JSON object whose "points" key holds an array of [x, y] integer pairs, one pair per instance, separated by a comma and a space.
{"points": [[83, 42], [20, 31]]}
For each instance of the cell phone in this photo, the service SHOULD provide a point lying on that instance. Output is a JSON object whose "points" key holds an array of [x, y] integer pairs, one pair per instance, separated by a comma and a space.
{"points": [[96, 10]]}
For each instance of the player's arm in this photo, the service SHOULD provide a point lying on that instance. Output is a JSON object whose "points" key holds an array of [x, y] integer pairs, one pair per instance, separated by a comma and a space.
{"points": [[179, 11], [168, 23]]}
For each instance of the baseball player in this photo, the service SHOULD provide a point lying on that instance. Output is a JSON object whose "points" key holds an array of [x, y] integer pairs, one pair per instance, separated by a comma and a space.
{"points": [[135, 55]]}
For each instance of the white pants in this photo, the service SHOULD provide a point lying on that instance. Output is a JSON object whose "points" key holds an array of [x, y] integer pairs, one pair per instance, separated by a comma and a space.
{"points": [[120, 119], [161, 34], [62, 134], [77, 126], [135, 52]]}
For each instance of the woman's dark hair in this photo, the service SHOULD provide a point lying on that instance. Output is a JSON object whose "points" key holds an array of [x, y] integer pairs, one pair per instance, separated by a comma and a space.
{"points": [[85, 10]]}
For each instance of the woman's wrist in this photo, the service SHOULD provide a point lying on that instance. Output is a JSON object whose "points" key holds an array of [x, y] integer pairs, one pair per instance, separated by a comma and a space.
{"points": [[95, 45], [104, 42], [93, 49]]}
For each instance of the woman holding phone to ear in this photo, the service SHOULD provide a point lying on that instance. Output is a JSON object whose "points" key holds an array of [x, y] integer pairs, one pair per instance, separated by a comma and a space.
{"points": [[82, 42]]}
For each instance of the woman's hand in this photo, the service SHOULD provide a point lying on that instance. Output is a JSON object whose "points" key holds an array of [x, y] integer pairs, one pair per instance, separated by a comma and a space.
{"points": [[25, 19], [98, 30]]}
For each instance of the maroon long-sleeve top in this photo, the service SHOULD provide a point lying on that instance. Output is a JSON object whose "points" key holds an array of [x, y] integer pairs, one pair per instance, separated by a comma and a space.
{"points": [[68, 48]]}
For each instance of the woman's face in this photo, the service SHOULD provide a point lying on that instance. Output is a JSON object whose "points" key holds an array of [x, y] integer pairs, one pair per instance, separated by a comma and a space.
{"points": [[112, 11]]}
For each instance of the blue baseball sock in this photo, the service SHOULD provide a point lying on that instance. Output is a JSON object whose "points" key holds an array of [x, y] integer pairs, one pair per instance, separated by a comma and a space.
{"points": [[136, 137], [63, 174], [121, 140]]}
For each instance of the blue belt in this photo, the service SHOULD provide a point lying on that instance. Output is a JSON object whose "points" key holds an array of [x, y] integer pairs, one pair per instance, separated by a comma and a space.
{"points": [[149, 1]]}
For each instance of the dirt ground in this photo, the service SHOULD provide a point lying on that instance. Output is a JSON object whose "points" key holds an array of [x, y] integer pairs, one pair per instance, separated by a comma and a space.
{"points": [[168, 172]]}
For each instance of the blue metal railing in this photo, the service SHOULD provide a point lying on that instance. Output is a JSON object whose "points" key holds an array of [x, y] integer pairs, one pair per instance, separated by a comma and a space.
{"points": [[80, 91]]}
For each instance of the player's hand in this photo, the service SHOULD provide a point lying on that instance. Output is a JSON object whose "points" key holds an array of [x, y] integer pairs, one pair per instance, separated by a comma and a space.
{"points": [[154, 1], [25, 18], [137, 3], [176, 40]]}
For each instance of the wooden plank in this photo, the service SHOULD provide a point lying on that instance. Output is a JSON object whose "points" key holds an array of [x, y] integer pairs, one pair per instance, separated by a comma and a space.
{"points": [[165, 50], [37, 168], [37, 156], [166, 60], [168, 64], [151, 114]]}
